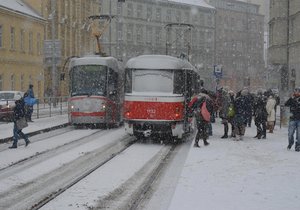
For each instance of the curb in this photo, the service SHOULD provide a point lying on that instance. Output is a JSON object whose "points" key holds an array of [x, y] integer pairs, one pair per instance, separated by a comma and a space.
{"points": [[30, 134]]}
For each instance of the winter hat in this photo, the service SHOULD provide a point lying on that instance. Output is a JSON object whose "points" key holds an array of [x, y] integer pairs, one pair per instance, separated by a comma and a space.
{"points": [[18, 97], [244, 92], [297, 91]]}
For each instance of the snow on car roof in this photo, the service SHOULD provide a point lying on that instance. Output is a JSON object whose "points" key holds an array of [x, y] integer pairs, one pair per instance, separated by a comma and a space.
{"points": [[19, 6]]}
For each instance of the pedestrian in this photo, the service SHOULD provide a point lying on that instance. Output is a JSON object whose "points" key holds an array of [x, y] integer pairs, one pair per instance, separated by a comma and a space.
{"points": [[270, 106], [29, 108], [200, 106], [260, 115], [240, 117], [19, 120], [231, 112], [294, 124], [225, 100], [249, 108]]}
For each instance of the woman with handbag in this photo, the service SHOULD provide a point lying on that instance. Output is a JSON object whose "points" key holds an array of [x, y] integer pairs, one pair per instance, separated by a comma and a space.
{"points": [[201, 106], [19, 123]]}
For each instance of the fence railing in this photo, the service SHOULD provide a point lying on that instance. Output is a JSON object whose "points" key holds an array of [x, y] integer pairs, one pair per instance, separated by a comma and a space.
{"points": [[50, 106]]}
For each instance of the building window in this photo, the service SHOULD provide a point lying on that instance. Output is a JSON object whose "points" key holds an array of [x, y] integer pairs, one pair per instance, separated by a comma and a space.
{"points": [[38, 43], [12, 82], [12, 38], [149, 13], [158, 35], [149, 35], [1, 82], [201, 19], [129, 10], [129, 33], [169, 15], [158, 14], [22, 82], [120, 31], [1, 32], [30, 80], [139, 11], [30, 49], [22, 41], [187, 17], [119, 9], [178, 16], [139, 34], [271, 33]]}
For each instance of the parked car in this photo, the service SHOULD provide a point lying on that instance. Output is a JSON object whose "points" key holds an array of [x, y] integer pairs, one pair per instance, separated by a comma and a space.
{"points": [[7, 103]]}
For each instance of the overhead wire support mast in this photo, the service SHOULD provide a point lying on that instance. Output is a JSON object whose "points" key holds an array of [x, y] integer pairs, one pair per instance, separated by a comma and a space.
{"points": [[169, 42]]}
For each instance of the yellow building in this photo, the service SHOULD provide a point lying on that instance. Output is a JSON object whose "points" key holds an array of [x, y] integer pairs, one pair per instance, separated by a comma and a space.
{"points": [[21, 47], [71, 30]]}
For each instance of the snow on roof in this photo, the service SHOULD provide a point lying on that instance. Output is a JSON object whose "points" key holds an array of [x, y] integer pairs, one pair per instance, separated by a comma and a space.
{"points": [[200, 3], [19, 6], [158, 62]]}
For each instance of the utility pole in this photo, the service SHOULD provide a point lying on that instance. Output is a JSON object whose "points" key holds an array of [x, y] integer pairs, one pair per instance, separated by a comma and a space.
{"points": [[54, 75]]}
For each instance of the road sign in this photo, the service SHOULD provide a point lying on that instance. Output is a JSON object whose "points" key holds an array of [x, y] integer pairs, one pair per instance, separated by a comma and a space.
{"points": [[52, 52], [218, 71]]}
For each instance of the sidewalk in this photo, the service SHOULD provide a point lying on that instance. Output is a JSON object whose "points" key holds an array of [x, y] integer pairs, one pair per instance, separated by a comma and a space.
{"points": [[38, 126]]}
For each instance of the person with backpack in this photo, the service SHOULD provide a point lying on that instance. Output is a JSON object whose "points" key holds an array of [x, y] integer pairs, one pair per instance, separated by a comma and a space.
{"points": [[19, 115], [240, 117], [260, 115], [29, 103], [294, 124], [201, 106]]}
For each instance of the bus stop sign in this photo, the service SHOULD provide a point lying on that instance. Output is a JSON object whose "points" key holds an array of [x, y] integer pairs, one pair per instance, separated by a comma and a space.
{"points": [[218, 71]]}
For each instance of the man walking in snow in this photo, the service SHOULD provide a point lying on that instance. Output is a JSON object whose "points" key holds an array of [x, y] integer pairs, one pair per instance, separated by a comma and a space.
{"points": [[294, 124]]}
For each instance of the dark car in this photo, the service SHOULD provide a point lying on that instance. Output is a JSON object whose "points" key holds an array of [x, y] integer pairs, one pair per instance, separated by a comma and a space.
{"points": [[7, 103]]}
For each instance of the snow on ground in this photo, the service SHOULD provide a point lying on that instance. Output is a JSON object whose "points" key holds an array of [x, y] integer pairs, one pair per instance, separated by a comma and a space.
{"points": [[249, 174]]}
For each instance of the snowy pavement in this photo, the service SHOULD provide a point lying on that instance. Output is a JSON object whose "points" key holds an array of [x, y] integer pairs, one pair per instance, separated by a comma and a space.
{"points": [[6, 129], [243, 175], [226, 175]]}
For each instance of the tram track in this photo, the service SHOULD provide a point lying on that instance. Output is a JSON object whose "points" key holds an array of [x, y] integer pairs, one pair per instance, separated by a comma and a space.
{"points": [[38, 157], [36, 193]]}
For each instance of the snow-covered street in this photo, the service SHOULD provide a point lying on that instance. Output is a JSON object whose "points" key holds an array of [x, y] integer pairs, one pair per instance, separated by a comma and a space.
{"points": [[227, 174]]}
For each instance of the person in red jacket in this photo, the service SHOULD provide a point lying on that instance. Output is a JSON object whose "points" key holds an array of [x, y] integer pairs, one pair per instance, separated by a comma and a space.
{"points": [[196, 106]]}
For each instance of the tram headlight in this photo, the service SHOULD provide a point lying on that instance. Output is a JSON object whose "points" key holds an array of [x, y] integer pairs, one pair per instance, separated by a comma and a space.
{"points": [[177, 112], [103, 107]]}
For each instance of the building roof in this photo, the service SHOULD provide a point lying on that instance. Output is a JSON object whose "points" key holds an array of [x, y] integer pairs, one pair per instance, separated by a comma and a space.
{"points": [[20, 7], [199, 3]]}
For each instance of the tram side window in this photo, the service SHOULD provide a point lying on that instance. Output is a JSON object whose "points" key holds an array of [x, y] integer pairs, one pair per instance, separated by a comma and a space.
{"points": [[190, 82], [128, 81], [112, 82], [179, 82]]}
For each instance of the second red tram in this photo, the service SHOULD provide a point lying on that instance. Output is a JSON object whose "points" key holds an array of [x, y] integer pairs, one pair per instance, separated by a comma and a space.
{"points": [[157, 91], [96, 91]]}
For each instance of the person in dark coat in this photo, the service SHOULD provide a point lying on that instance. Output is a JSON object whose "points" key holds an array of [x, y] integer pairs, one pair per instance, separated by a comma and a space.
{"points": [[260, 115], [29, 107], [19, 112], [240, 118], [294, 124], [195, 107]]}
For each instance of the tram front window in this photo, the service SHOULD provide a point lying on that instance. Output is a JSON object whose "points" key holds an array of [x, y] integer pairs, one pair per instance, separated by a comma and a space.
{"points": [[88, 80], [152, 81]]}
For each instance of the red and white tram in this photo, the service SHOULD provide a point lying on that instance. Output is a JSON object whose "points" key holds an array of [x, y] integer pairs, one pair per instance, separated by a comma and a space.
{"points": [[157, 91], [96, 91]]}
